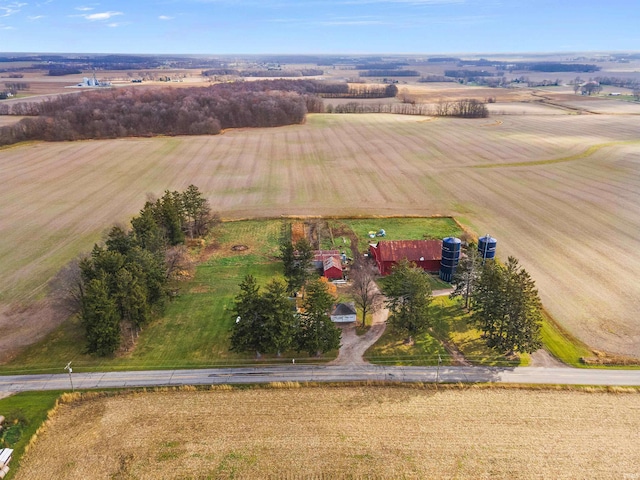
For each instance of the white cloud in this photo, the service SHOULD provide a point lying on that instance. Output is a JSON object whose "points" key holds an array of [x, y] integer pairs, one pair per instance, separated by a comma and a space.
{"points": [[165, 17], [84, 9], [36, 17], [101, 16], [10, 8]]}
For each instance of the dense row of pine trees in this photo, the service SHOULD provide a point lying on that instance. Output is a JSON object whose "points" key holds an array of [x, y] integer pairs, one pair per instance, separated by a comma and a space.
{"points": [[124, 283]]}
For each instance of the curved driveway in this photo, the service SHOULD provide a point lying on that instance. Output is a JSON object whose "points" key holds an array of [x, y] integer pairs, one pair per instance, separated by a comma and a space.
{"points": [[323, 373]]}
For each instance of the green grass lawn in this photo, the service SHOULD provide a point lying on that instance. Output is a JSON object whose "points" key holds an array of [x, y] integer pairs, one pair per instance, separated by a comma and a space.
{"points": [[450, 323], [398, 229], [30, 408], [562, 345]]}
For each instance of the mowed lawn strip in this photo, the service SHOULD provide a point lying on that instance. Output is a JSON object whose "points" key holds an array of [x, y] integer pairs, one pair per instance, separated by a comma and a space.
{"points": [[343, 432]]}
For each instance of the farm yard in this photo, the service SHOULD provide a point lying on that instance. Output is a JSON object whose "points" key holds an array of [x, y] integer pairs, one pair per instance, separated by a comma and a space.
{"points": [[560, 192], [366, 431], [199, 318]]}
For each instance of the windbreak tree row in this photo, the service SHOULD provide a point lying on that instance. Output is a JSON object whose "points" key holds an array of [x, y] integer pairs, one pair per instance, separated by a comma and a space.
{"points": [[124, 283]]}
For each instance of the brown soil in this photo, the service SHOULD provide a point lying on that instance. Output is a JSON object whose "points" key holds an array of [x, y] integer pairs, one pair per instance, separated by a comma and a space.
{"points": [[21, 326]]}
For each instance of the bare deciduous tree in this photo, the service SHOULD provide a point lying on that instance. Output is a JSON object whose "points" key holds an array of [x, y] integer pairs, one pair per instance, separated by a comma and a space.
{"points": [[364, 290]]}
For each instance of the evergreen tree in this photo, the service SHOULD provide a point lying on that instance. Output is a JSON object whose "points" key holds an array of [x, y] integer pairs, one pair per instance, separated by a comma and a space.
{"points": [[296, 259], [408, 293], [279, 317], [248, 332], [507, 309], [146, 230], [316, 332], [198, 217], [100, 318]]}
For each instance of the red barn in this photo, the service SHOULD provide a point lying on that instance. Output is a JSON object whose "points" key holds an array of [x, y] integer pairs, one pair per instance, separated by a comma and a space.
{"points": [[426, 254], [332, 267], [330, 262]]}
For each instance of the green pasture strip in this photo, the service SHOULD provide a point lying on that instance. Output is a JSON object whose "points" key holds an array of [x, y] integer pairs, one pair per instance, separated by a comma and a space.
{"points": [[398, 228], [578, 156], [391, 350], [563, 345], [459, 330], [31, 408], [450, 322]]}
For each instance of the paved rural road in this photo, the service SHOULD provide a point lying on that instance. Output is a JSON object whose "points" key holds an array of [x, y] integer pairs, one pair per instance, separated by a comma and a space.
{"points": [[306, 373]]}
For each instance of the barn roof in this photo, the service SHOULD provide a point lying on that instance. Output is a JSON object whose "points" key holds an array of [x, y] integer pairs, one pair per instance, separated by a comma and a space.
{"points": [[330, 262], [412, 250]]}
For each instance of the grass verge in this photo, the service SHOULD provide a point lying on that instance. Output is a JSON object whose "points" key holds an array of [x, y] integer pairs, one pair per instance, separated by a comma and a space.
{"points": [[30, 409]]}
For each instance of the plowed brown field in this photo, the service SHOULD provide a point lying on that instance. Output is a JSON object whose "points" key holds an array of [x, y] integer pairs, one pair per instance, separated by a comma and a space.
{"points": [[346, 432], [573, 222]]}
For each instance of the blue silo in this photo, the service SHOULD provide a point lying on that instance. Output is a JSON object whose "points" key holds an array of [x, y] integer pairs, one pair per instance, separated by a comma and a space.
{"points": [[487, 247], [450, 257]]}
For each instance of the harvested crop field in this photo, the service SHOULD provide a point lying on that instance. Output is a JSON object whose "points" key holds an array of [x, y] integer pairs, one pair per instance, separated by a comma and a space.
{"points": [[560, 192], [342, 432]]}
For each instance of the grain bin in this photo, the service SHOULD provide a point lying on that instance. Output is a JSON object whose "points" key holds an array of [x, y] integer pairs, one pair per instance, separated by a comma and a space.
{"points": [[487, 247], [450, 257]]}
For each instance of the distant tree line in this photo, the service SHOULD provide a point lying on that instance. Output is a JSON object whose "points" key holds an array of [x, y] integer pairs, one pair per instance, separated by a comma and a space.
{"points": [[435, 78], [264, 73], [11, 88], [442, 59], [15, 87], [465, 108], [468, 73], [380, 66], [157, 111], [618, 82], [389, 73], [61, 70], [547, 66], [123, 284], [344, 90]]}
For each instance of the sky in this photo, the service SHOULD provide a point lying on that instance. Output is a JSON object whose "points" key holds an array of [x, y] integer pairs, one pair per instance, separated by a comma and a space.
{"points": [[319, 26]]}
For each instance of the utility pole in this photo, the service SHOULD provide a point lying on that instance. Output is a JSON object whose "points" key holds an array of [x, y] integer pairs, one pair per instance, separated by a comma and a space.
{"points": [[69, 369], [438, 371]]}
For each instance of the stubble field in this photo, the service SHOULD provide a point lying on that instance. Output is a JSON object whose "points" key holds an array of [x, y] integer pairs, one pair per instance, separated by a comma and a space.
{"points": [[342, 432], [560, 192]]}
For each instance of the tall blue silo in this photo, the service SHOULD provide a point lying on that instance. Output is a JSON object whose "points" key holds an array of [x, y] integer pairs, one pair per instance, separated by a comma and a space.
{"points": [[487, 247], [450, 257]]}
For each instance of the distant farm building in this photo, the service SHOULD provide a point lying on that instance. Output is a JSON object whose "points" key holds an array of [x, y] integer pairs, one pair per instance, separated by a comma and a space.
{"points": [[344, 313], [330, 262], [426, 254]]}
